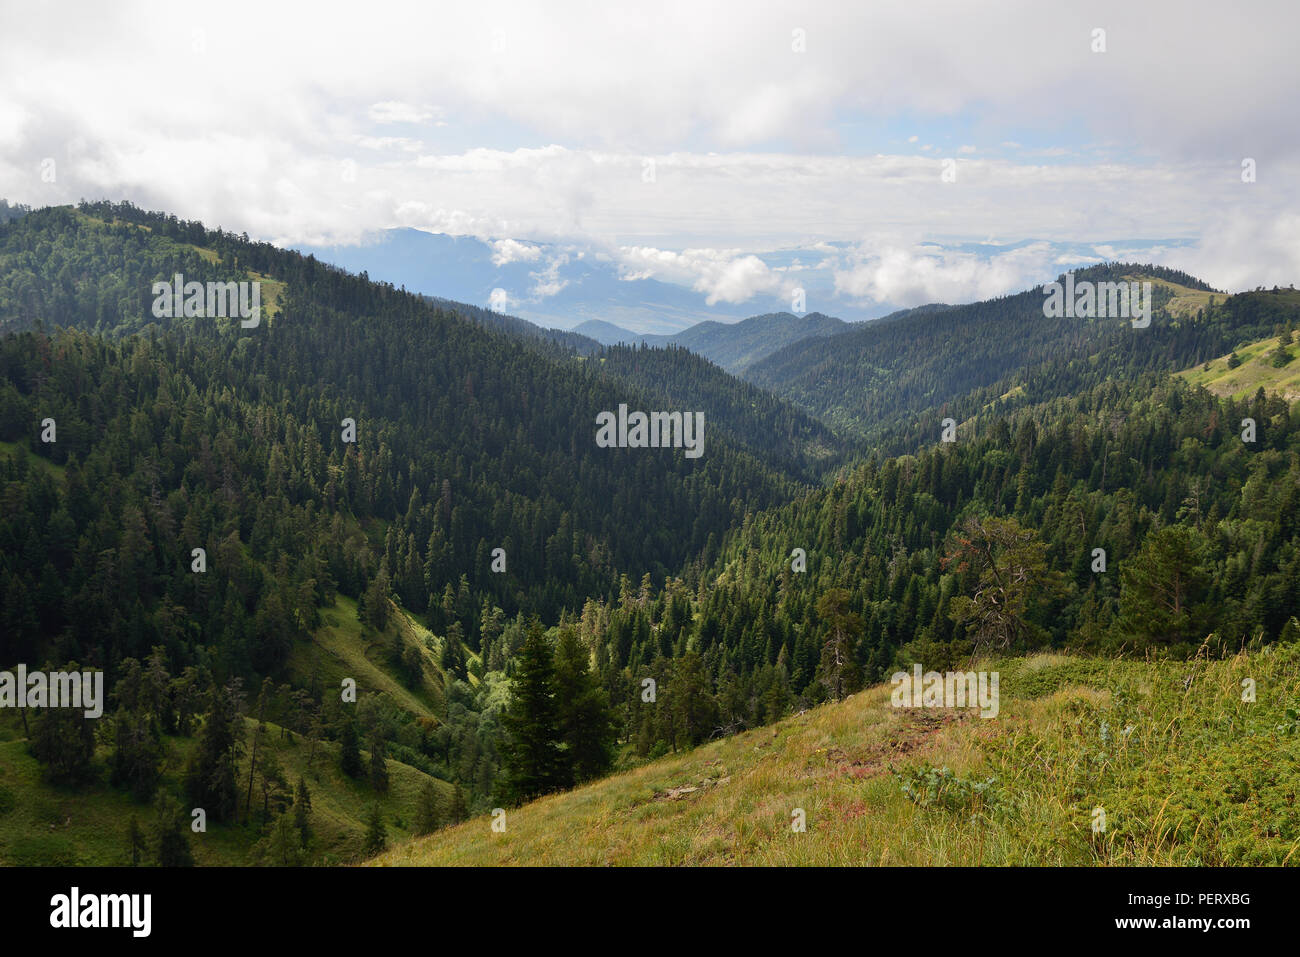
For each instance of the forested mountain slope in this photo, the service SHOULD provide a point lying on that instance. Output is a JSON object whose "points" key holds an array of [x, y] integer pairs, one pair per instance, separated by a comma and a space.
{"points": [[733, 345], [881, 374], [204, 529], [199, 502]]}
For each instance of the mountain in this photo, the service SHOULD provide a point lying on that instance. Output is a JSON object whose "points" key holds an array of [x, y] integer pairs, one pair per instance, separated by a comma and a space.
{"points": [[1269, 364], [547, 284], [234, 522], [880, 374], [235, 442], [738, 345], [732, 345], [567, 341], [607, 333]]}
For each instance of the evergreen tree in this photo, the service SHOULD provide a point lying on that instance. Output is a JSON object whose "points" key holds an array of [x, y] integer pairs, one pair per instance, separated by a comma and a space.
{"points": [[350, 748], [210, 779], [378, 766], [459, 810], [302, 812], [535, 760], [171, 843], [585, 718], [838, 669], [135, 841], [428, 811], [376, 836]]}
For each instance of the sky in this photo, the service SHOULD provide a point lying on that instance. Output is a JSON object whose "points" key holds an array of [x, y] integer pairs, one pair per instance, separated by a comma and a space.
{"points": [[906, 151]]}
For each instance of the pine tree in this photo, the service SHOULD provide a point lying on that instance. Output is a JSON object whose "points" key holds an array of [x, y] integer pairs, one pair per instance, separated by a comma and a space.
{"points": [[376, 835], [428, 812], [459, 810], [210, 780], [838, 669], [171, 843], [302, 812], [535, 762], [378, 766], [135, 841], [63, 739], [350, 749], [585, 718]]}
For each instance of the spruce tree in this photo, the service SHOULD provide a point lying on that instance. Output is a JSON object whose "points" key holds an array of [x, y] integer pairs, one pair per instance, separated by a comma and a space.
{"points": [[428, 812], [210, 781], [536, 763], [376, 836], [302, 812], [378, 766], [586, 720], [350, 749], [171, 844], [459, 810]]}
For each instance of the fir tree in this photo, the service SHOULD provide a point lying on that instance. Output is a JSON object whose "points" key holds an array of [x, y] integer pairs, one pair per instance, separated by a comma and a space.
{"points": [[585, 719], [535, 761], [350, 749], [376, 836], [428, 811]]}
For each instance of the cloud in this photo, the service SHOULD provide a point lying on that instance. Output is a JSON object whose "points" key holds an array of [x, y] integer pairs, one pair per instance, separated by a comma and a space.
{"points": [[916, 275], [722, 275], [506, 251], [547, 281], [556, 109], [393, 111]]}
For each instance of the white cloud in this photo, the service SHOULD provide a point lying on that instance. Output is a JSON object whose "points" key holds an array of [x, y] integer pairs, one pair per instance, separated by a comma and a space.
{"points": [[394, 111], [506, 251], [723, 275], [555, 109], [547, 281], [914, 275]]}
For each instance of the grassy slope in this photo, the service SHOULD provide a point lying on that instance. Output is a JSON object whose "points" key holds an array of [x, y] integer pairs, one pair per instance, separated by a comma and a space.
{"points": [[1186, 300], [1256, 371], [339, 650], [18, 448], [1199, 777], [45, 825], [41, 824]]}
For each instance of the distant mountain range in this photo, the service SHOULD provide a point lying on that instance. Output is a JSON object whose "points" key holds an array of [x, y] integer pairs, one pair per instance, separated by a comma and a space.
{"points": [[733, 345], [547, 285]]}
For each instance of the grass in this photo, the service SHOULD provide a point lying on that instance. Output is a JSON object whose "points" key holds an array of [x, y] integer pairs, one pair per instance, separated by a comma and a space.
{"points": [[41, 824], [1255, 372], [33, 460], [341, 648], [45, 825], [1186, 301], [1185, 771]]}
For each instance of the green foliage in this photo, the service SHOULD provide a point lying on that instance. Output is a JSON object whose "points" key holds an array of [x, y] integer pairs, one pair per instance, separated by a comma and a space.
{"points": [[376, 834], [171, 843], [211, 778], [428, 813], [350, 749], [535, 761], [931, 787]]}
